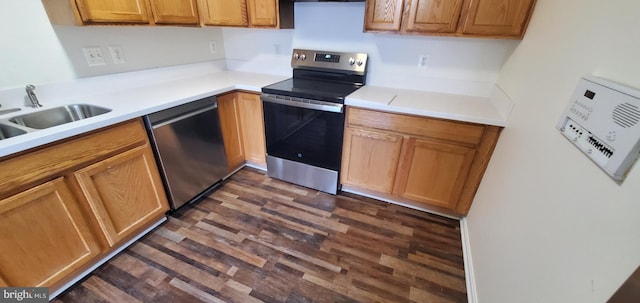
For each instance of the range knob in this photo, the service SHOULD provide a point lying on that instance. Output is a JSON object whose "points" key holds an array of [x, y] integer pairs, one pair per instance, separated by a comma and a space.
{"points": [[296, 56], [352, 61], [360, 62], [303, 57]]}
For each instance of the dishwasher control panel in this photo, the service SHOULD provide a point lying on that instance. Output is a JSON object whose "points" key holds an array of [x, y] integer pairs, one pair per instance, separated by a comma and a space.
{"points": [[602, 120]]}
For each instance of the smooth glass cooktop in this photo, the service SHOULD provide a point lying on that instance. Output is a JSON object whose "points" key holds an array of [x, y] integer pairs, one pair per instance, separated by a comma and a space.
{"points": [[312, 89]]}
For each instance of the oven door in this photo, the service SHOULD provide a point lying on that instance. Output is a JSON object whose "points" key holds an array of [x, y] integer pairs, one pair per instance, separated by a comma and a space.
{"points": [[309, 133]]}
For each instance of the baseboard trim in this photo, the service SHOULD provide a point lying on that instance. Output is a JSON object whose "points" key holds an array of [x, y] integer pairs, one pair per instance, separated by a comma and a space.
{"points": [[364, 193], [472, 294], [256, 166], [105, 259]]}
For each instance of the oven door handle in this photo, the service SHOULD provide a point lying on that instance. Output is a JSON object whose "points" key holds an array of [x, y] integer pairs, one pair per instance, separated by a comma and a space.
{"points": [[334, 108]]}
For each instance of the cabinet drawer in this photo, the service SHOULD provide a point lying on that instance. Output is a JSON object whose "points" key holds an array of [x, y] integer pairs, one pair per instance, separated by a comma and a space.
{"points": [[466, 133], [36, 166]]}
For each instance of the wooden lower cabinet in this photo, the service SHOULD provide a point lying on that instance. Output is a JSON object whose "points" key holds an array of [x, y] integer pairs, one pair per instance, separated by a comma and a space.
{"points": [[231, 132], [252, 125], [371, 159], [65, 206], [124, 192], [44, 236], [425, 162], [241, 120], [433, 172]]}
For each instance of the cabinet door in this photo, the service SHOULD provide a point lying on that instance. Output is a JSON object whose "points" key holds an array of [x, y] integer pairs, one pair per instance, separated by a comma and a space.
{"points": [[433, 172], [507, 18], [175, 11], [370, 159], [224, 12], [384, 15], [124, 192], [437, 16], [231, 132], [263, 13], [44, 237], [252, 128], [126, 11]]}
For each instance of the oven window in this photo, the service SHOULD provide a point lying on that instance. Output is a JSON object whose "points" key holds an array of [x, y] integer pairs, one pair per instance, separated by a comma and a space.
{"points": [[304, 135]]}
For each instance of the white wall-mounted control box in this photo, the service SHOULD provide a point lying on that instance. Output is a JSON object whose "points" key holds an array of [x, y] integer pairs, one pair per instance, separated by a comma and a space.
{"points": [[602, 120]]}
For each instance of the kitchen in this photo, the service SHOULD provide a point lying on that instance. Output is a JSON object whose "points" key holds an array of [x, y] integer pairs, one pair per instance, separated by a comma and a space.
{"points": [[581, 237]]}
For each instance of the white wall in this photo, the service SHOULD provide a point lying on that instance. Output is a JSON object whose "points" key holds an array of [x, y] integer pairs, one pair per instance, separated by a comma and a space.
{"points": [[34, 51], [547, 225], [393, 58], [29, 49], [144, 47]]}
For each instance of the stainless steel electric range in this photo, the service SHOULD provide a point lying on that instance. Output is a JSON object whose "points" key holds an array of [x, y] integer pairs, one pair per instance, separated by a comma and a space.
{"points": [[304, 117]]}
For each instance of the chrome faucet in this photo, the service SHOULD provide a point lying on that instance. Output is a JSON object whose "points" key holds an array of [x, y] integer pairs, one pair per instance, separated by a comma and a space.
{"points": [[32, 96]]}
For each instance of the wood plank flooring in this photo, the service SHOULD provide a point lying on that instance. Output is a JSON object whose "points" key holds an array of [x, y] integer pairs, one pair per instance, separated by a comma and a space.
{"points": [[257, 239]]}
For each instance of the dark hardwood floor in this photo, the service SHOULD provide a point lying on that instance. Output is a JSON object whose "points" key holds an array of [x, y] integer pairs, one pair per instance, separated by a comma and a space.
{"points": [[257, 239]]}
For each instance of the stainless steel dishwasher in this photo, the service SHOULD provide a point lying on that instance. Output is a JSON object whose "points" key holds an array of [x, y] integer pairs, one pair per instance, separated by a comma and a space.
{"points": [[188, 145]]}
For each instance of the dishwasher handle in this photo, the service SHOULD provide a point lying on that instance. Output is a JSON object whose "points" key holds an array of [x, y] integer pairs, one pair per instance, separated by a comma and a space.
{"points": [[181, 112], [183, 116]]}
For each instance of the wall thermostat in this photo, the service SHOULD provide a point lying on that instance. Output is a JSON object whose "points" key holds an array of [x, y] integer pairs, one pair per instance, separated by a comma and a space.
{"points": [[602, 120]]}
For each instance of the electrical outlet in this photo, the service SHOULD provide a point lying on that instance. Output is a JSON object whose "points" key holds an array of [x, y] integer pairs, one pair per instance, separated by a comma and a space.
{"points": [[213, 47], [117, 54], [93, 54], [423, 60]]}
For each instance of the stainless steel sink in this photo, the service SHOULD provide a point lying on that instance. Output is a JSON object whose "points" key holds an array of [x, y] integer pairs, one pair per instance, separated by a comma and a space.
{"points": [[59, 115], [6, 111], [7, 131]]}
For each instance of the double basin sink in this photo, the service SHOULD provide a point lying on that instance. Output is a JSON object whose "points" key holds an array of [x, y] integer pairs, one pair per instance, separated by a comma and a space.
{"points": [[22, 124]]}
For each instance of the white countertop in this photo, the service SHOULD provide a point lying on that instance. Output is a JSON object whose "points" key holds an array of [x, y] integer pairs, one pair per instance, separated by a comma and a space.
{"points": [[141, 96], [492, 110], [135, 94]]}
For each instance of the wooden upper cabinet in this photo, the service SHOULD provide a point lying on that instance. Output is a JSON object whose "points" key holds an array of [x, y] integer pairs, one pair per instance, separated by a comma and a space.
{"points": [[384, 15], [44, 237], [263, 13], [239, 13], [175, 11], [497, 17], [432, 16], [224, 12], [125, 11], [464, 18]]}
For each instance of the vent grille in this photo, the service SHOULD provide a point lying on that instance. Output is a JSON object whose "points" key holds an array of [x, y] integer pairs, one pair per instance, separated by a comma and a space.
{"points": [[626, 115]]}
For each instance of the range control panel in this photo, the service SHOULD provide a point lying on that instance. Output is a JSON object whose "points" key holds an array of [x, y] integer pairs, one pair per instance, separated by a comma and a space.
{"points": [[355, 63], [602, 120]]}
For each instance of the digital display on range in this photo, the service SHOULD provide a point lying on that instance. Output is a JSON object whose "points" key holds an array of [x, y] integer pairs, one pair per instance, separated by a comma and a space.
{"points": [[589, 94], [327, 58]]}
